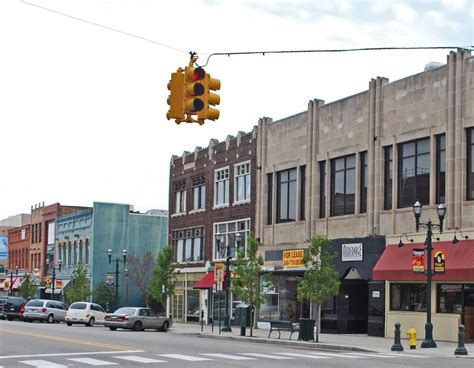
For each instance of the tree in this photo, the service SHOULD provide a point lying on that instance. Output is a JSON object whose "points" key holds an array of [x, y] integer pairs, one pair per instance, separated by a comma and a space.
{"points": [[27, 288], [140, 271], [248, 276], [321, 279], [80, 289], [163, 276], [104, 295]]}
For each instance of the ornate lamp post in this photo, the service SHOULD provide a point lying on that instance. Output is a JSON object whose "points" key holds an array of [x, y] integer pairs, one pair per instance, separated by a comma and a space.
{"points": [[11, 280], [53, 285], [126, 286], [117, 260], [428, 342]]}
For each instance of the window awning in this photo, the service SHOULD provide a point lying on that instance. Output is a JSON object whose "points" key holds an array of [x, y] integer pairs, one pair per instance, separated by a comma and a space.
{"points": [[395, 264], [207, 282]]}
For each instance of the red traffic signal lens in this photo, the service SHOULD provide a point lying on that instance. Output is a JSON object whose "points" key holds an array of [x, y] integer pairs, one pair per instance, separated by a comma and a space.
{"points": [[199, 73]]}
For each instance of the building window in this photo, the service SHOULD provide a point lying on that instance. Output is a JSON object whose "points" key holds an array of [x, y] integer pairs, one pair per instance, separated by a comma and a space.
{"points": [[408, 297], [440, 168], [86, 259], [363, 182], [286, 195], [189, 244], [450, 298], [343, 186], [388, 178], [270, 199], [242, 182], [414, 173], [221, 181], [302, 192], [322, 189], [180, 196], [228, 230], [81, 257], [470, 164], [199, 192]]}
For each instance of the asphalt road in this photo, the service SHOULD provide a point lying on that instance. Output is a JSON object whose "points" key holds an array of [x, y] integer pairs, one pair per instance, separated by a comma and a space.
{"points": [[59, 346]]}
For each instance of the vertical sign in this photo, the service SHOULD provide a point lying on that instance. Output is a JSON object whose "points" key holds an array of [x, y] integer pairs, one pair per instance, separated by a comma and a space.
{"points": [[110, 279], [218, 271], [418, 261], [439, 260]]}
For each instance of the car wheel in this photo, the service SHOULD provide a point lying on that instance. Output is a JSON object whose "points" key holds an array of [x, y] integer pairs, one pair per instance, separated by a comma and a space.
{"points": [[113, 328], [165, 326], [91, 322], [69, 323], [50, 319], [10, 318], [137, 326]]}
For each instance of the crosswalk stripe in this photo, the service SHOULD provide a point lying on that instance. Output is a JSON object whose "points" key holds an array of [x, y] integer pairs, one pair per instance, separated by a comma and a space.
{"points": [[92, 361], [184, 357], [297, 355], [42, 364], [334, 355], [268, 356], [139, 359], [228, 356], [407, 355], [376, 355]]}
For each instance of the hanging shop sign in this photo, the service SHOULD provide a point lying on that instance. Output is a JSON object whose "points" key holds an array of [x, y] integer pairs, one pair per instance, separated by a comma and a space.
{"points": [[439, 260], [293, 258], [218, 272], [110, 279], [418, 261], [352, 252]]}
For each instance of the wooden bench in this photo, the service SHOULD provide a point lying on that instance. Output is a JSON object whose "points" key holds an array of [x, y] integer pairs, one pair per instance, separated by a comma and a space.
{"points": [[283, 326]]}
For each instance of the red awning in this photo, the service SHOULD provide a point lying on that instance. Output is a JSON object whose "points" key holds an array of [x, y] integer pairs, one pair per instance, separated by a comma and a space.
{"points": [[207, 282], [395, 264]]}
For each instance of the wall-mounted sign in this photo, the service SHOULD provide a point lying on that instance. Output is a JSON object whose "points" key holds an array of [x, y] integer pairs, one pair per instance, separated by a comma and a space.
{"points": [[439, 260], [110, 279], [352, 252], [293, 258], [375, 293], [418, 260], [3, 247], [218, 272]]}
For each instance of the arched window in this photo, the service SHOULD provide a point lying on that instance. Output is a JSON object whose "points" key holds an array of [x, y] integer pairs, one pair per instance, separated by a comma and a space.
{"points": [[81, 260], [75, 253], [69, 252], [64, 254], [86, 260]]}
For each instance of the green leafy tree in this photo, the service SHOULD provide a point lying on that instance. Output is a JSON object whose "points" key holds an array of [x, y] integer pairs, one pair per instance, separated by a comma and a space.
{"points": [[80, 289], [104, 295], [140, 272], [248, 276], [163, 276], [321, 279], [27, 289]]}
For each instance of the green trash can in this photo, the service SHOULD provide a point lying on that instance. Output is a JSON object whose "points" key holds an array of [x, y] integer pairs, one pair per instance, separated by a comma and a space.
{"points": [[306, 329]]}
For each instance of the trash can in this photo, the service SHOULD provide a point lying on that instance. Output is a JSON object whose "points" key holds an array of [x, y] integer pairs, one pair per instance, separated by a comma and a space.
{"points": [[306, 329], [242, 317]]}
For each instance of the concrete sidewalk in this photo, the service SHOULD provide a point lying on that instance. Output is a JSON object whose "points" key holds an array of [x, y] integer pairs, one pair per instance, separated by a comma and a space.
{"points": [[347, 342]]}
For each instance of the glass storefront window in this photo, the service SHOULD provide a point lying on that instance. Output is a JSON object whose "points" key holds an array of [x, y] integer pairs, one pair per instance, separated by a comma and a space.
{"points": [[193, 304], [408, 297], [269, 308], [449, 298]]}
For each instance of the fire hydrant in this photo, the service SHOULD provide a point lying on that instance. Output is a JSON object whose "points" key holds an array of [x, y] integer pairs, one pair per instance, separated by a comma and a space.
{"points": [[412, 338]]}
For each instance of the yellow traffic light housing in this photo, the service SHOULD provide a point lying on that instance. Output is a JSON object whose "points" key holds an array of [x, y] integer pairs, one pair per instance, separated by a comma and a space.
{"points": [[193, 89], [176, 97], [210, 98]]}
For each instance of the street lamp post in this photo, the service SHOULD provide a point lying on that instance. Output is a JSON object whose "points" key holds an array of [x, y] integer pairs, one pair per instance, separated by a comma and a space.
{"points": [[117, 260], [428, 342], [53, 285], [11, 280], [226, 327], [126, 287]]}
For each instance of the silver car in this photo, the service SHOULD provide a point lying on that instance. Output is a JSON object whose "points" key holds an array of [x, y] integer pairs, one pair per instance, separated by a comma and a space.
{"points": [[136, 319], [45, 310]]}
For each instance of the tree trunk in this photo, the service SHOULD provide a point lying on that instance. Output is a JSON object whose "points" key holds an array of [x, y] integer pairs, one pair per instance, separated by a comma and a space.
{"points": [[318, 315]]}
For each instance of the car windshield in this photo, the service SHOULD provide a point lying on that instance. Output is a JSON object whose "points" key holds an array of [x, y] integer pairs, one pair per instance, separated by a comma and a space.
{"points": [[127, 311], [78, 306], [34, 303]]}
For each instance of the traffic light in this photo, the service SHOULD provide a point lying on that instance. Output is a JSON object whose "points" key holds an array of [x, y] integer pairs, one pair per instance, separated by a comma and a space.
{"points": [[193, 89], [176, 97], [210, 99]]}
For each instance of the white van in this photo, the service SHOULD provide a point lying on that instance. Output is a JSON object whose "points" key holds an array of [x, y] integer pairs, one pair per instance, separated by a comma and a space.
{"points": [[85, 313]]}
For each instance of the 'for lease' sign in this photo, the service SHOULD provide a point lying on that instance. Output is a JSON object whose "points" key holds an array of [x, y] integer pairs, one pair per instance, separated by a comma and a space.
{"points": [[293, 258]]}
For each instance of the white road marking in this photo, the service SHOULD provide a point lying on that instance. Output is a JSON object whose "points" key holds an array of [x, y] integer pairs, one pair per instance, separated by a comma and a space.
{"points": [[371, 355], [184, 357], [406, 355], [92, 361], [299, 355], [268, 356], [139, 359], [334, 355], [228, 356], [70, 354], [43, 364]]}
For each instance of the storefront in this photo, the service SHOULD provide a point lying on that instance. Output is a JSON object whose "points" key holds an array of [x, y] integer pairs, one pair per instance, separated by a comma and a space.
{"points": [[187, 302], [452, 288]]}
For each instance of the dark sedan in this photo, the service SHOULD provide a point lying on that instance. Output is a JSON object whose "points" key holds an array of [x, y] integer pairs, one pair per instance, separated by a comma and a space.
{"points": [[136, 319]]}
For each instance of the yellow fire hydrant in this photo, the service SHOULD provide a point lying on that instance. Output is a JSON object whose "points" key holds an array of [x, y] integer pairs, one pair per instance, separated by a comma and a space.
{"points": [[412, 338]]}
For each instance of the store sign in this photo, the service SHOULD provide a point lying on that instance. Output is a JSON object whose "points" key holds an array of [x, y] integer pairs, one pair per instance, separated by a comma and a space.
{"points": [[418, 262], [439, 260], [110, 279], [293, 258], [218, 272], [352, 252]]}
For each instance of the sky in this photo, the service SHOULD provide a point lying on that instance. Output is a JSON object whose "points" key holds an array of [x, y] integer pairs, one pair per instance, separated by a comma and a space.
{"points": [[83, 93]]}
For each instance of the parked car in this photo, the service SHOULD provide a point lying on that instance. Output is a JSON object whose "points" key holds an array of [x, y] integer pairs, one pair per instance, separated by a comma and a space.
{"points": [[136, 319], [45, 310], [3, 300], [86, 313], [14, 308]]}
